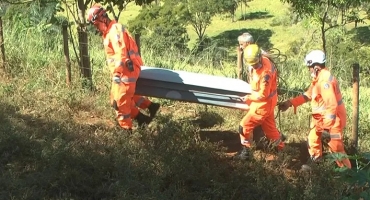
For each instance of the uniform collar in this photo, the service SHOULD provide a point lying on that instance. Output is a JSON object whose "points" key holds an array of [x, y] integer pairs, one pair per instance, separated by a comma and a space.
{"points": [[109, 27], [320, 75]]}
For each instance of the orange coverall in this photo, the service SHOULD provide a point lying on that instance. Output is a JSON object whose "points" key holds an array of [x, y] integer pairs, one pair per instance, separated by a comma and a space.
{"points": [[119, 47], [328, 113], [262, 101]]}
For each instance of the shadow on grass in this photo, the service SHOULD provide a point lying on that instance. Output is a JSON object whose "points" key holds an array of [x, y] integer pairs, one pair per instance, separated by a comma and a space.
{"points": [[255, 15], [208, 119], [231, 142], [46, 159]]}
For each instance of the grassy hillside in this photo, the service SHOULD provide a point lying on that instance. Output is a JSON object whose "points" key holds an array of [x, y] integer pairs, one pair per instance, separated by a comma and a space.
{"points": [[62, 142]]}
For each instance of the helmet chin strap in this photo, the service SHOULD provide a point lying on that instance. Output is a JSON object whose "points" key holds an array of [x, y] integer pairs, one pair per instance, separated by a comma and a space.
{"points": [[315, 72]]}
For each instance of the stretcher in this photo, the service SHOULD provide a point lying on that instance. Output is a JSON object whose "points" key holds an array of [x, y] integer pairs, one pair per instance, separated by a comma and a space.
{"points": [[195, 88], [192, 87]]}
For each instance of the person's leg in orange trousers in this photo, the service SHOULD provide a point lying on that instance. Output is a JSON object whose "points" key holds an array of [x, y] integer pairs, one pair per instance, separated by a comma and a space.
{"points": [[141, 101], [144, 103], [271, 131], [246, 127], [121, 100], [335, 146]]}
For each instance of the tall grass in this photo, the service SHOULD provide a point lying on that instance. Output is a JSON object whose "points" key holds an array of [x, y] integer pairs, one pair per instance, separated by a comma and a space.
{"points": [[59, 142]]}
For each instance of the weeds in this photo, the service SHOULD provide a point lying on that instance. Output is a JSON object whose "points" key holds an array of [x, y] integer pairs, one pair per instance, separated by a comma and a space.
{"points": [[59, 142]]}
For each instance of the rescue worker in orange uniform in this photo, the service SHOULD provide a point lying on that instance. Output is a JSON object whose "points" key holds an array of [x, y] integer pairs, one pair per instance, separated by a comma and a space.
{"points": [[328, 110], [244, 40], [262, 101], [125, 64]]}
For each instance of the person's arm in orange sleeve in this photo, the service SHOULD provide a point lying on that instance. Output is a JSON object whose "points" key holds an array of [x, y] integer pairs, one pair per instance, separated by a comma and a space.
{"points": [[301, 99], [330, 103], [119, 45], [264, 92]]}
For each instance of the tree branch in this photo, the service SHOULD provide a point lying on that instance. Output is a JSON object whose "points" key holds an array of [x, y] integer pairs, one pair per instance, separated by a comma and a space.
{"points": [[114, 14], [337, 25], [24, 2], [87, 3], [69, 8], [120, 11]]}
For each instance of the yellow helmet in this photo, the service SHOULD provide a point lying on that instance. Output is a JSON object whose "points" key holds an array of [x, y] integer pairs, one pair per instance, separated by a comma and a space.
{"points": [[252, 54]]}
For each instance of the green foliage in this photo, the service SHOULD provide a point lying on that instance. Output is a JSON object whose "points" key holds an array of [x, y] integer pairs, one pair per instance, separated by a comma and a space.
{"points": [[59, 142], [201, 13], [162, 27], [357, 178], [121, 4], [39, 16], [328, 14], [228, 6]]}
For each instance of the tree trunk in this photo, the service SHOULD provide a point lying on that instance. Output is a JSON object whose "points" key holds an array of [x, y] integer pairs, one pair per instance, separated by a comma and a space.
{"points": [[323, 31], [2, 47], [66, 54], [83, 46], [323, 38], [138, 43]]}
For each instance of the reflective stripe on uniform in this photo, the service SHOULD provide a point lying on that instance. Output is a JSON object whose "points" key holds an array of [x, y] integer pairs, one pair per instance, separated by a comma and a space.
{"points": [[330, 116], [322, 108], [140, 101], [335, 136], [318, 108], [340, 102], [124, 80], [132, 52], [122, 117]]}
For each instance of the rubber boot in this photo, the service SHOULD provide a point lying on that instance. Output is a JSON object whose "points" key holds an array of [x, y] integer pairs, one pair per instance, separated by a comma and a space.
{"points": [[142, 119], [310, 164], [243, 154], [283, 137], [153, 109]]}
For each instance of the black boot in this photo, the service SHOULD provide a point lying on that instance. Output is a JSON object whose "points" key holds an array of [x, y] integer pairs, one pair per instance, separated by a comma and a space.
{"points": [[283, 137], [142, 119], [243, 154], [153, 109], [311, 163]]}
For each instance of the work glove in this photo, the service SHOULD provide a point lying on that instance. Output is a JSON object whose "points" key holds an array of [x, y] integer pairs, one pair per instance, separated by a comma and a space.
{"points": [[283, 106], [246, 99], [325, 136]]}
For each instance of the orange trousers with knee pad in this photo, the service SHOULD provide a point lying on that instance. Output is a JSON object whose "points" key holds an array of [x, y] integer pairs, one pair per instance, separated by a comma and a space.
{"points": [[267, 121], [122, 95], [139, 102], [122, 101], [335, 144]]}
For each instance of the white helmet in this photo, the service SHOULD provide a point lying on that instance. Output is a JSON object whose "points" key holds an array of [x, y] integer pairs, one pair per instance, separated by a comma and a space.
{"points": [[315, 57], [246, 37]]}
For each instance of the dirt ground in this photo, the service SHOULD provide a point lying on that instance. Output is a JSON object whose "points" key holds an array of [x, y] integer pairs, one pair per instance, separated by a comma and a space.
{"points": [[230, 140]]}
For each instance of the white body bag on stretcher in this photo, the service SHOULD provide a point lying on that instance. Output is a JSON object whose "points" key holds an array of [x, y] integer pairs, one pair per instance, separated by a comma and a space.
{"points": [[192, 87]]}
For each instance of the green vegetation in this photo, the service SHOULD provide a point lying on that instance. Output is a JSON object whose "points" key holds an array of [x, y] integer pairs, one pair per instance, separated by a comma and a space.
{"points": [[62, 142]]}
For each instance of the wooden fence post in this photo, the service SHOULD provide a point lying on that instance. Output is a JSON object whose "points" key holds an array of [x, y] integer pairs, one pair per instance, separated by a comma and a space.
{"points": [[137, 40], [2, 47], [239, 63], [355, 103], [66, 53]]}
